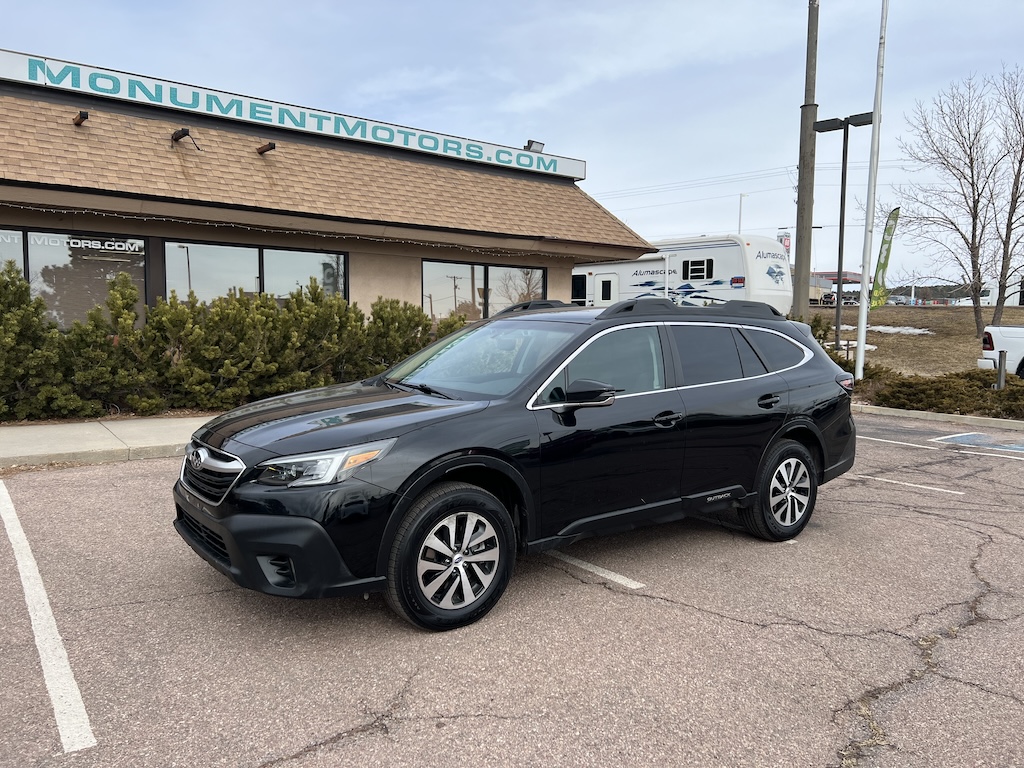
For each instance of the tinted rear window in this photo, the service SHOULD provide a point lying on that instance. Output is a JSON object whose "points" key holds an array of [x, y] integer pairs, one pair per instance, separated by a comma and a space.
{"points": [[777, 351], [707, 353]]}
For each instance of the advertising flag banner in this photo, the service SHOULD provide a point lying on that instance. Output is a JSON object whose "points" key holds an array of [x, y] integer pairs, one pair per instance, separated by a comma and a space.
{"points": [[879, 293]]}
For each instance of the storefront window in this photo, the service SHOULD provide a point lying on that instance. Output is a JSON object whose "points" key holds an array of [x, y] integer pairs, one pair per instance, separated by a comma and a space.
{"points": [[286, 271], [11, 249], [71, 272], [512, 285], [210, 270], [477, 290]]}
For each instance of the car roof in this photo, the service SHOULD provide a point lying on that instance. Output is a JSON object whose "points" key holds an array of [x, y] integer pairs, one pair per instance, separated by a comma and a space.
{"points": [[636, 309]]}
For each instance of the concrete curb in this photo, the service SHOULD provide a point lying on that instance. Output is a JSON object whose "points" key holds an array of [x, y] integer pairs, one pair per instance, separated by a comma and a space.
{"points": [[955, 418], [95, 442]]}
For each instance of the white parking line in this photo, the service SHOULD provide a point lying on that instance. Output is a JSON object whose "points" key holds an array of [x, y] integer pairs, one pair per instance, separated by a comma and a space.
{"points": [[910, 485], [953, 437], [597, 570], [68, 707], [936, 448], [898, 442]]}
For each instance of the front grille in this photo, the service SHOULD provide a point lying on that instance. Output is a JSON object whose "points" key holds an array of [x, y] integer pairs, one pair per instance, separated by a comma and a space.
{"points": [[208, 472], [206, 537]]}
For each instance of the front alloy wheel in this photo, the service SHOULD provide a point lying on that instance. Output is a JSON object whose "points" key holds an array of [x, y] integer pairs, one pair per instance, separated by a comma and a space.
{"points": [[451, 557], [458, 560]]}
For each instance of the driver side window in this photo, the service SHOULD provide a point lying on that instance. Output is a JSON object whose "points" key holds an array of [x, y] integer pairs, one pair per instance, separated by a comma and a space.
{"points": [[629, 359]]}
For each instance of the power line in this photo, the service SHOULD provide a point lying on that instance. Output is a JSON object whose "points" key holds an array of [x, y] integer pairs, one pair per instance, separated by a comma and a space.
{"points": [[733, 178]]}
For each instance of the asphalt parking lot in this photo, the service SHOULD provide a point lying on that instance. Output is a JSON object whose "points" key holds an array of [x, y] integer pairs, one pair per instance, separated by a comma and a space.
{"points": [[888, 634]]}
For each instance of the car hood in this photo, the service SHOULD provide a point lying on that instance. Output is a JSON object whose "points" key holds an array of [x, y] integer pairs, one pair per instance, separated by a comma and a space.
{"points": [[332, 417]]}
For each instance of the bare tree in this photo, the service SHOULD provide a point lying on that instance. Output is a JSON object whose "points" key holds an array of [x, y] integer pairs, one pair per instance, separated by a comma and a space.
{"points": [[517, 285], [955, 138], [1008, 207]]}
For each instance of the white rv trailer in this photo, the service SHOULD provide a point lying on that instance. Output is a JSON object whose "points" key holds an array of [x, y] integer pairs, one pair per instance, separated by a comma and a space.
{"points": [[697, 271]]}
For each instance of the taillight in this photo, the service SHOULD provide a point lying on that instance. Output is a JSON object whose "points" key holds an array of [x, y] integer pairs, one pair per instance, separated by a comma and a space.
{"points": [[845, 380], [986, 342]]}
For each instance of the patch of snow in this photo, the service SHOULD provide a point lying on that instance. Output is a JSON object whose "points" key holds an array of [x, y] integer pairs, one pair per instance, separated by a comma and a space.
{"points": [[844, 344], [902, 330], [909, 331]]}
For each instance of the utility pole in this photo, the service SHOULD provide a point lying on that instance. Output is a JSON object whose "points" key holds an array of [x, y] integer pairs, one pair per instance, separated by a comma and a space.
{"points": [[455, 289], [805, 182]]}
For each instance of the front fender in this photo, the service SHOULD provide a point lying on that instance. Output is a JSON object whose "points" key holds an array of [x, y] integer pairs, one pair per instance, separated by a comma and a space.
{"points": [[444, 468]]}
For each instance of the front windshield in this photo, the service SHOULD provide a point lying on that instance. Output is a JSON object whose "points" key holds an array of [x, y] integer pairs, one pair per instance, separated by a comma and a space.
{"points": [[487, 360]]}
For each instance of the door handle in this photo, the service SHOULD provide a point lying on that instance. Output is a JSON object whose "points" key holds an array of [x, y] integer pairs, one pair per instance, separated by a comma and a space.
{"points": [[768, 401], [667, 418]]}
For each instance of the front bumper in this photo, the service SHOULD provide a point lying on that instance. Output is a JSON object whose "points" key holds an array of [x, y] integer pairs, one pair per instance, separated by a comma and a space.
{"points": [[275, 554]]}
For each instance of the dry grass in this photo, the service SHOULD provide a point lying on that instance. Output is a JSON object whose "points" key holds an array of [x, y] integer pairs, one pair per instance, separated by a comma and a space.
{"points": [[951, 346]]}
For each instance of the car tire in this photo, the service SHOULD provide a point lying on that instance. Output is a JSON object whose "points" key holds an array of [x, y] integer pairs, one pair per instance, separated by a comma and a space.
{"points": [[787, 488], [451, 557]]}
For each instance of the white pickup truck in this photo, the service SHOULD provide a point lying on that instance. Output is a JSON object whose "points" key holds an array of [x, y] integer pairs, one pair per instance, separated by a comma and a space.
{"points": [[1000, 337]]}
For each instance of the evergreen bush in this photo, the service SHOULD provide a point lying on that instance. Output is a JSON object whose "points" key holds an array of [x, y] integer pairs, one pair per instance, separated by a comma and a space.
{"points": [[396, 330], [32, 365]]}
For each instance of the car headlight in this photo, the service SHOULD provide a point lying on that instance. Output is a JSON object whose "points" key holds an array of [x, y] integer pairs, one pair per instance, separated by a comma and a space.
{"points": [[321, 468]]}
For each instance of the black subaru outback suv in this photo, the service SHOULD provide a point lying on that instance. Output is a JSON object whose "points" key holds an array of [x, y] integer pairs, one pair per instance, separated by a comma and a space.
{"points": [[518, 434]]}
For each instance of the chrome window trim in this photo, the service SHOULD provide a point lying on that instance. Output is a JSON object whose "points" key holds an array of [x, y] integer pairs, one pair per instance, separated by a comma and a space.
{"points": [[533, 405], [808, 354]]}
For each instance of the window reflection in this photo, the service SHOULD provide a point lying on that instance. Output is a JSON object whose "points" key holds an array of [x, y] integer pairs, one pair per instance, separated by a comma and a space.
{"points": [[71, 272], [450, 287], [286, 271], [209, 270], [512, 285], [11, 248], [477, 290]]}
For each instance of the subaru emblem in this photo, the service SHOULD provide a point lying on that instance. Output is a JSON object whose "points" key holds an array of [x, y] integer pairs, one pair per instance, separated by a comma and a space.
{"points": [[196, 458]]}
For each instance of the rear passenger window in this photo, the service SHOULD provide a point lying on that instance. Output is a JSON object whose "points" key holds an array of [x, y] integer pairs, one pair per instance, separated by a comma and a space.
{"points": [[777, 351], [707, 353]]}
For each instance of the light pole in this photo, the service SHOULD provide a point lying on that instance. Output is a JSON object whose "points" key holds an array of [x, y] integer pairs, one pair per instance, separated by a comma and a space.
{"points": [[739, 224], [835, 124], [188, 267]]}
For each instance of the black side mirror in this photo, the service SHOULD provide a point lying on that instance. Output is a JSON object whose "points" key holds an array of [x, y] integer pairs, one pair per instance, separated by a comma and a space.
{"points": [[587, 393]]}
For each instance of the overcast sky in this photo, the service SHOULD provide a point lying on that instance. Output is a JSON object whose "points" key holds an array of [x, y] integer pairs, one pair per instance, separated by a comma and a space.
{"points": [[687, 112]]}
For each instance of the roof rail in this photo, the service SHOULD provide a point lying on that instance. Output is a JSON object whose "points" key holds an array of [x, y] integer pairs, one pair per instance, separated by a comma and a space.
{"points": [[640, 307], [655, 306], [524, 306]]}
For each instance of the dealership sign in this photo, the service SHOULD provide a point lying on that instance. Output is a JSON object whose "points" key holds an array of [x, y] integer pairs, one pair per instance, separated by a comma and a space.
{"points": [[106, 83]]}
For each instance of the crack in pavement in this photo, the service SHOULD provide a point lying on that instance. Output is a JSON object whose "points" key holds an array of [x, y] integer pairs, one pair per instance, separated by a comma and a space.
{"points": [[876, 737], [380, 724], [862, 706]]}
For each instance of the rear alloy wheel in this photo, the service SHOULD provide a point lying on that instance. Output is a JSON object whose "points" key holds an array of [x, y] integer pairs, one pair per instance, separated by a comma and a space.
{"points": [[787, 489], [451, 558]]}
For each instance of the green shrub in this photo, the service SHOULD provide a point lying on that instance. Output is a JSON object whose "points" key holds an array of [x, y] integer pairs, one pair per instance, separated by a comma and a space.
{"points": [[219, 355], [396, 330], [449, 324], [105, 354], [969, 392], [32, 361], [327, 338]]}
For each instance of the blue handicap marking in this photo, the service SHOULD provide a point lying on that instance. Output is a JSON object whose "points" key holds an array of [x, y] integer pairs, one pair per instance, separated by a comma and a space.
{"points": [[981, 440]]}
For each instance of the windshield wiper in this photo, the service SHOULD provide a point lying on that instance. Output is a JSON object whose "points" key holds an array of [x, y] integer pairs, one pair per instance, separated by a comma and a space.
{"points": [[424, 388]]}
